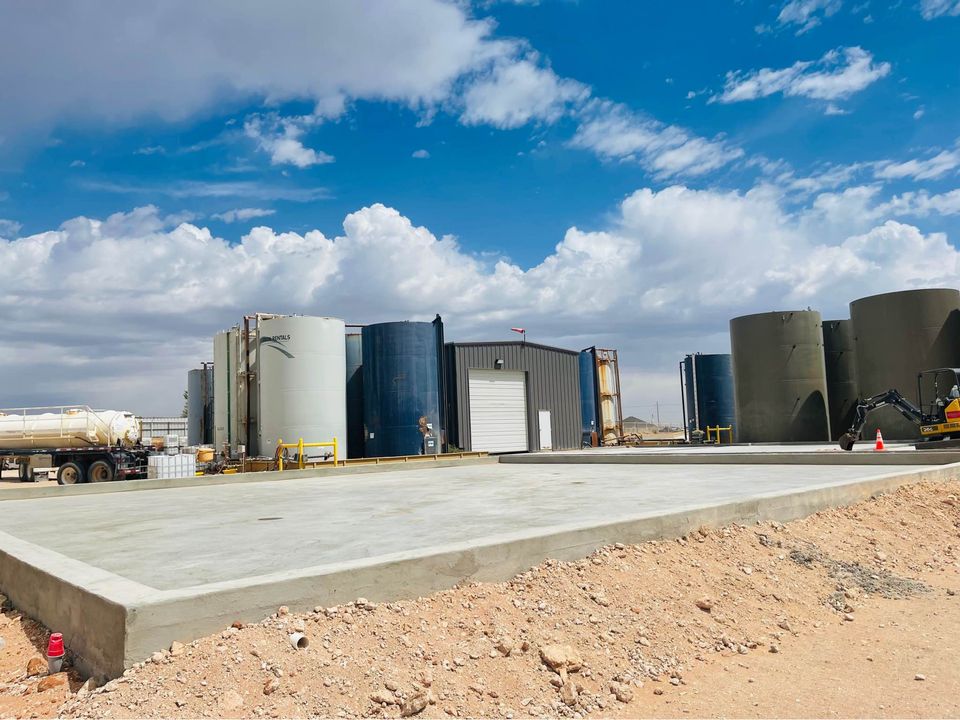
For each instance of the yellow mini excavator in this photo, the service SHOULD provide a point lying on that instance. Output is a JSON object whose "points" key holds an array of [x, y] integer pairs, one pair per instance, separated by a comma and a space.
{"points": [[938, 420]]}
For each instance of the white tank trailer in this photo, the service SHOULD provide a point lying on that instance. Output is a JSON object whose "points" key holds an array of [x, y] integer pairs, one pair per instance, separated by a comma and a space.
{"points": [[87, 445]]}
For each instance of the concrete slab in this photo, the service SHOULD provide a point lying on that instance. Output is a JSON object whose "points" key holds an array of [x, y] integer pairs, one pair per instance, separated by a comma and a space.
{"points": [[794, 454], [124, 574]]}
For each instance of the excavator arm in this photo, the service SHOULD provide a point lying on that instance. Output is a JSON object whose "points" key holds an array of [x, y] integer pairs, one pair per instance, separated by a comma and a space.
{"points": [[891, 397]]}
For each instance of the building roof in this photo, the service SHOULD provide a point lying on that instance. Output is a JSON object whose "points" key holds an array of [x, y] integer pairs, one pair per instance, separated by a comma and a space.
{"points": [[512, 343]]}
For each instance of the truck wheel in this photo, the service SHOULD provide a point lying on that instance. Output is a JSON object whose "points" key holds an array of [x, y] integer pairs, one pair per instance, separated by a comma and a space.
{"points": [[25, 472], [100, 471], [69, 474]]}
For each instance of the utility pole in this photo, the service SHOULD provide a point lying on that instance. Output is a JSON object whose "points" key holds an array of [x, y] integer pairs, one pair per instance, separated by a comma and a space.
{"points": [[658, 414]]}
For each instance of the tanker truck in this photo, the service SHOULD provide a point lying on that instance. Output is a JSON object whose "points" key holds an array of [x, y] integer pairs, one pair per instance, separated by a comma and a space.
{"points": [[84, 445]]}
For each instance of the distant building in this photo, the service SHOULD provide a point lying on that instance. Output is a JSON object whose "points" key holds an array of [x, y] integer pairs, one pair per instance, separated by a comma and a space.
{"points": [[635, 426]]}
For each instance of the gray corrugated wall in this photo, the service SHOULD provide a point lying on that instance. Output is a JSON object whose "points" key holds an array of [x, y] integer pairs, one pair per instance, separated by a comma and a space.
{"points": [[553, 383]]}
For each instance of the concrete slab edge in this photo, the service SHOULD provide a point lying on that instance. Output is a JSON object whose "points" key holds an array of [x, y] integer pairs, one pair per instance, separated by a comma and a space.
{"points": [[155, 624], [27, 492], [92, 625], [905, 457]]}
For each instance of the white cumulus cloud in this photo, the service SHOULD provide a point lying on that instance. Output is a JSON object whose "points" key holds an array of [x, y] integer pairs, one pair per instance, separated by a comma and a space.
{"points": [[280, 138], [420, 154], [116, 62], [515, 93], [835, 76], [147, 296]]}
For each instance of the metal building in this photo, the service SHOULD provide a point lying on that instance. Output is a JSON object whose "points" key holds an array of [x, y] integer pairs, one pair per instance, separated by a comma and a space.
{"points": [[707, 387], [779, 378], [840, 359], [354, 348], [401, 388], [200, 405], [512, 397], [898, 335]]}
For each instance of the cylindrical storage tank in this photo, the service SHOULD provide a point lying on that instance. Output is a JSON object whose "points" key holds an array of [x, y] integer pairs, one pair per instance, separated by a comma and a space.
{"points": [[302, 383], [354, 346], [709, 391], [224, 410], [588, 398], [200, 406], [779, 378], [401, 388], [898, 335], [608, 392], [840, 360]]}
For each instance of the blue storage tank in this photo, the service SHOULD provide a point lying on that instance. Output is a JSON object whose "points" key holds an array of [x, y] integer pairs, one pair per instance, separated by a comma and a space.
{"points": [[708, 391], [588, 396], [354, 395], [401, 388]]}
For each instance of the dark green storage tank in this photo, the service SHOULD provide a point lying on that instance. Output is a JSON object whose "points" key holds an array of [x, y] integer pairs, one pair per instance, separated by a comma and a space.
{"points": [[898, 335], [840, 360], [779, 378]]}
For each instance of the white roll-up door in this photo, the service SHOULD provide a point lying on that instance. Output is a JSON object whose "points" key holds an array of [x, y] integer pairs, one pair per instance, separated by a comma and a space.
{"points": [[498, 410]]}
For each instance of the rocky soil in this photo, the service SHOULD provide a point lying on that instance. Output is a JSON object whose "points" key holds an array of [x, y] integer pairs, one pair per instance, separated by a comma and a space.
{"points": [[713, 624]]}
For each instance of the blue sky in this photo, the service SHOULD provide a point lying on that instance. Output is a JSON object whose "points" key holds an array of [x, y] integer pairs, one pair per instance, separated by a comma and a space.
{"points": [[627, 173]]}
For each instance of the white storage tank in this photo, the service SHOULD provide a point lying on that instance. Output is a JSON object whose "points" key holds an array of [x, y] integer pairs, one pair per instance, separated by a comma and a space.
{"points": [[302, 382]]}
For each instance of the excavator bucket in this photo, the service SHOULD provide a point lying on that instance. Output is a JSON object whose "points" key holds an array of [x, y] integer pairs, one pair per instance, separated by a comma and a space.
{"points": [[847, 441]]}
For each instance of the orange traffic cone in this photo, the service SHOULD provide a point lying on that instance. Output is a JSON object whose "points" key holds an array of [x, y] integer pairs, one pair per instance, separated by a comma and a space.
{"points": [[879, 445]]}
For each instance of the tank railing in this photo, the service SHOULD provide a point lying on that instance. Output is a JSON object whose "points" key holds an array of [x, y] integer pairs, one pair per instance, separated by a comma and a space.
{"points": [[28, 414], [300, 445], [717, 430]]}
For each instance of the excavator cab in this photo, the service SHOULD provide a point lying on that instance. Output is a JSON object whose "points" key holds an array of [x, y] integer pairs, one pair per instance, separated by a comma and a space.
{"points": [[941, 415], [938, 419]]}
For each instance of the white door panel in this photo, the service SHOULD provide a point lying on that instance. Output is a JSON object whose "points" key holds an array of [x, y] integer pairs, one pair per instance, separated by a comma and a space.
{"points": [[498, 410]]}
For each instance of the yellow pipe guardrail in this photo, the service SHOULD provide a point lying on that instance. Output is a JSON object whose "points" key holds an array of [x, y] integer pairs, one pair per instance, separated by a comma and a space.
{"points": [[300, 445], [717, 429]]}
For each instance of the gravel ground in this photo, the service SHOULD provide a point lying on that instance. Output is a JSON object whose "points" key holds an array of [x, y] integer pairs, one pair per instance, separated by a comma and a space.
{"points": [[850, 612]]}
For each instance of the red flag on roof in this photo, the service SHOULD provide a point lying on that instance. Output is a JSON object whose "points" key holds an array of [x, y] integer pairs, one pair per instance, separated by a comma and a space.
{"points": [[519, 330]]}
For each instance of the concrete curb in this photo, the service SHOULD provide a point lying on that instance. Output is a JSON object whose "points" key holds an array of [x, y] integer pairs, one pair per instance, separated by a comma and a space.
{"points": [[32, 493], [112, 623]]}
